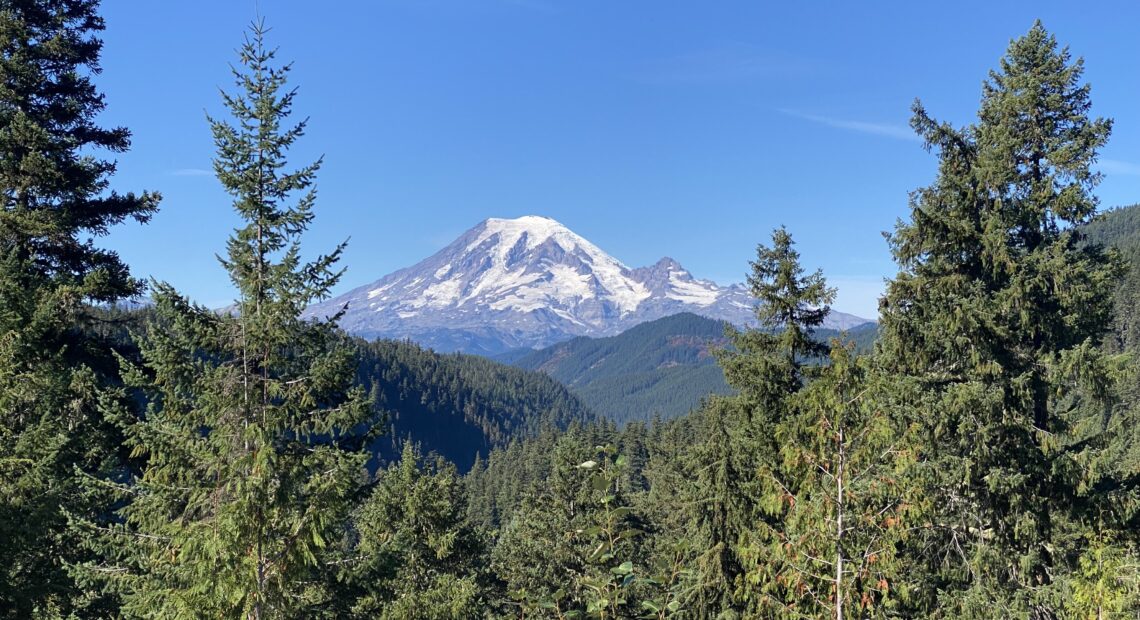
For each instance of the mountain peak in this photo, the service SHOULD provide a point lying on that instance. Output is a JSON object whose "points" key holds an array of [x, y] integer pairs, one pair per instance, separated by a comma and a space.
{"points": [[525, 220], [530, 237], [532, 225], [667, 264], [526, 282]]}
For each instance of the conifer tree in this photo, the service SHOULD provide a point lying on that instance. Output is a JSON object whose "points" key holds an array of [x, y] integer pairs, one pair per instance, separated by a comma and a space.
{"points": [[996, 303], [791, 304], [722, 502], [253, 434], [672, 546], [536, 551], [572, 549], [767, 362], [55, 185], [737, 464], [415, 556]]}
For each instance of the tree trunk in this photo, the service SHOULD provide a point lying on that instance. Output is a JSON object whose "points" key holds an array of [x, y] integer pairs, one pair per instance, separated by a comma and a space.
{"points": [[839, 532]]}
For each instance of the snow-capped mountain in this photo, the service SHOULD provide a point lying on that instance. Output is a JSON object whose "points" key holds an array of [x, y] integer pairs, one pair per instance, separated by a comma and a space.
{"points": [[530, 282]]}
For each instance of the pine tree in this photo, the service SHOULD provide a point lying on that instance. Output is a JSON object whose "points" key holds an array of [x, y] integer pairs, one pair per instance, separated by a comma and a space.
{"points": [[791, 304], [254, 432], [417, 557], [57, 199], [996, 303], [736, 466], [721, 501]]}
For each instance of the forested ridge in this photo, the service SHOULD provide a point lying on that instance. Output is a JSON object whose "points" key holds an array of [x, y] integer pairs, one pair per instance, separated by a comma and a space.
{"points": [[1120, 229], [979, 462], [661, 368], [459, 405]]}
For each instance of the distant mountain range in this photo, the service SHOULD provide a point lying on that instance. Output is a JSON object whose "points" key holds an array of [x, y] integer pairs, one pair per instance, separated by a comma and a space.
{"points": [[531, 282]]}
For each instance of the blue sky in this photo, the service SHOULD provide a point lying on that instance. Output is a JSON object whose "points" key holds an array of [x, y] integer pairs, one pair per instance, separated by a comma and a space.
{"points": [[651, 128]]}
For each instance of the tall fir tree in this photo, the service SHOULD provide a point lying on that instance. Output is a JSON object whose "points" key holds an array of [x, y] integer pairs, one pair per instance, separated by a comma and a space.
{"points": [[737, 463], [790, 303], [57, 199], [996, 303], [254, 434]]}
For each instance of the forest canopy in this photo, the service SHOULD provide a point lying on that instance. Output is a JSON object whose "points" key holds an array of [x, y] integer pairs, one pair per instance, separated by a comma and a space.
{"points": [[979, 460]]}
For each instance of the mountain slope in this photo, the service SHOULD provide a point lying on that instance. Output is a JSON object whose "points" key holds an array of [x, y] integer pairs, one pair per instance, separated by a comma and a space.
{"points": [[663, 367], [1120, 229], [459, 405], [526, 283]]}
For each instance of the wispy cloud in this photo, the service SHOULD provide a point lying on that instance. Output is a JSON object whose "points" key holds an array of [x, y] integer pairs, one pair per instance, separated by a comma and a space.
{"points": [[192, 172], [888, 130], [731, 62], [1117, 167]]}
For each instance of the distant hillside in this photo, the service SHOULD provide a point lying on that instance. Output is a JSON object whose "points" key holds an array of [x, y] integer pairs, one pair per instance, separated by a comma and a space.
{"points": [[1120, 228], [663, 367], [460, 405]]}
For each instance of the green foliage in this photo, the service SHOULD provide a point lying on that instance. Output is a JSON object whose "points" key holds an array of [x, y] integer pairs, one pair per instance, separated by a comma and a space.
{"points": [[995, 289], [738, 456], [831, 551], [574, 549], [1107, 581], [721, 466], [415, 556], [57, 198], [606, 583], [538, 548], [457, 405], [253, 431]]}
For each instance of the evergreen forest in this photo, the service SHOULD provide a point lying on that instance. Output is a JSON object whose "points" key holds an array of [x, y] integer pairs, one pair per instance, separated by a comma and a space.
{"points": [[975, 456]]}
